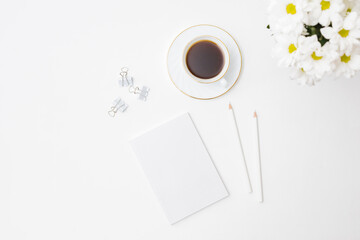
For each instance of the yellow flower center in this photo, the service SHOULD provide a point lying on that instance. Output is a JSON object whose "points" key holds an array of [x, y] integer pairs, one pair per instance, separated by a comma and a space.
{"points": [[291, 9], [316, 58], [325, 5], [292, 48], [345, 58], [349, 10], [344, 33]]}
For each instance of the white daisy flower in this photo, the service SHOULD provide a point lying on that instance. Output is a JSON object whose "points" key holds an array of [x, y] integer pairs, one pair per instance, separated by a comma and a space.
{"points": [[287, 16], [302, 77], [352, 6], [344, 33], [348, 64], [314, 12], [316, 38], [323, 11], [286, 49], [316, 60]]}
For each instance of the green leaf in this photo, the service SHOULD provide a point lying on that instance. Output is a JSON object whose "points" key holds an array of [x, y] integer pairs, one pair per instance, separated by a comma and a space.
{"points": [[315, 30]]}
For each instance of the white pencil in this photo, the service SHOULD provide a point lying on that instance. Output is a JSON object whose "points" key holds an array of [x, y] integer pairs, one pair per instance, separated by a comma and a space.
{"points": [[257, 155], [241, 147]]}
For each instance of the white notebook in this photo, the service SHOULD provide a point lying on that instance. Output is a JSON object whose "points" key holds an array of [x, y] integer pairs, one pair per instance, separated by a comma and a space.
{"points": [[179, 168]]}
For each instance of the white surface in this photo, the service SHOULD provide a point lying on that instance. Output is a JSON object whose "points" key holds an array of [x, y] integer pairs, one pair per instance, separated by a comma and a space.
{"points": [[179, 168], [239, 149], [66, 168], [181, 77]]}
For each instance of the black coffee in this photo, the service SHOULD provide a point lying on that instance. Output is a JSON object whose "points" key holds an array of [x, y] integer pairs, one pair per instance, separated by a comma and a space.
{"points": [[205, 59]]}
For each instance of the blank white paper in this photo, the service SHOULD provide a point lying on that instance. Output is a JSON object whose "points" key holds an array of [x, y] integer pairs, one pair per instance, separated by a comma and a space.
{"points": [[179, 168]]}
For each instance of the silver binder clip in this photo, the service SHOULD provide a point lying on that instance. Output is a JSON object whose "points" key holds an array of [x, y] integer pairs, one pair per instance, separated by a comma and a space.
{"points": [[125, 80], [143, 92], [118, 105]]}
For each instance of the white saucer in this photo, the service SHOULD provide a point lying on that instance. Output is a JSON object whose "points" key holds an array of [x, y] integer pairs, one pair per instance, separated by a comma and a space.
{"points": [[184, 82]]}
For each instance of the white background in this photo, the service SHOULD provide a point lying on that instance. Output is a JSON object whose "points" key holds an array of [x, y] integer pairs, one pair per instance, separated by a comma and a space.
{"points": [[67, 171]]}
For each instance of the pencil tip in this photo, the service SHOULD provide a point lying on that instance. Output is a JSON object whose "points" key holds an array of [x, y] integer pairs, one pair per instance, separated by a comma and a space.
{"points": [[255, 115], [230, 107]]}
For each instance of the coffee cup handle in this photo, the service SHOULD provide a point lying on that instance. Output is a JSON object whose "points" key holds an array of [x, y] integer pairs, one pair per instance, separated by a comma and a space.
{"points": [[223, 82]]}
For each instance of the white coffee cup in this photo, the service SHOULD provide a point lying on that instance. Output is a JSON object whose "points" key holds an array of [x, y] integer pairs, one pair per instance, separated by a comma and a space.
{"points": [[226, 57]]}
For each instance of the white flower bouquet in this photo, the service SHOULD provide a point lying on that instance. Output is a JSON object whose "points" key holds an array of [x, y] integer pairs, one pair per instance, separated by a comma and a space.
{"points": [[316, 37]]}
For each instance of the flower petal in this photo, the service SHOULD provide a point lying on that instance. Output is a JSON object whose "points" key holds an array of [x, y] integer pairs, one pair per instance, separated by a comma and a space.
{"points": [[355, 62], [328, 32], [325, 19], [350, 21], [355, 33], [337, 21]]}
